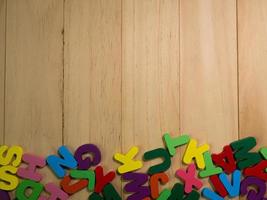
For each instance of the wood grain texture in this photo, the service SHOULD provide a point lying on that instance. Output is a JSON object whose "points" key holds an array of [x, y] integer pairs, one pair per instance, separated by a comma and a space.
{"points": [[209, 110], [34, 77], [208, 72], [124, 72], [150, 64], [2, 66], [252, 30], [92, 106]]}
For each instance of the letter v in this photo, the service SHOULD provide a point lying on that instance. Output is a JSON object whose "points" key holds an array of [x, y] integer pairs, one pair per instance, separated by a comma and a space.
{"points": [[232, 189]]}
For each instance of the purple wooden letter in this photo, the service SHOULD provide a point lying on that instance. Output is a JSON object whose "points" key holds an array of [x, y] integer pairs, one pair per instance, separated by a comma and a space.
{"points": [[4, 195], [87, 162], [252, 194], [136, 186]]}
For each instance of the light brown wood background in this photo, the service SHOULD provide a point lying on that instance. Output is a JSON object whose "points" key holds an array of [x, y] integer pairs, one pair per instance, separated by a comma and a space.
{"points": [[119, 73]]}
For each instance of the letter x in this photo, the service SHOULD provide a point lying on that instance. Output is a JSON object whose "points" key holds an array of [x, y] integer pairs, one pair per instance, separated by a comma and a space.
{"points": [[188, 176]]}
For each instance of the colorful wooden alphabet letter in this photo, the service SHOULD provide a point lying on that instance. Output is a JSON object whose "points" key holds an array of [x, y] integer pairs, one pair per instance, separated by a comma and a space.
{"points": [[177, 193], [164, 195], [72, 188], [210, 168], [189, 179], [36, 189], [263, 152], [209, 194], [232, 189], [10, 156], [87, 162], [218, 186], [102, 180], [154, 181], [257, 170], [253, 194], [136, 185], [10, 159], [8, 180], [225, 160], [193, 152], [158, 153], [89, 175], [30, 171], [242, 155], [95, 196], [109, 193], [57, 163], [129, 164], [4, 195], [173, 143], [55, 193]]}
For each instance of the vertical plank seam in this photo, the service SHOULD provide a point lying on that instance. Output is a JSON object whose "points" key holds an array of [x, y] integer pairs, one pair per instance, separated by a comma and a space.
{"points": [[63, 77], [238, 77], [5, 71], [179, 73], [158, 62], [121, 185], [237, 74]]}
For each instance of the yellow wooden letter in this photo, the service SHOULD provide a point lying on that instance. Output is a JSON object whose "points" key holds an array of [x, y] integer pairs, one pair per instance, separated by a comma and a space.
{"points": [[8, 180], [127, 160], [7, 155], [193, 152]]}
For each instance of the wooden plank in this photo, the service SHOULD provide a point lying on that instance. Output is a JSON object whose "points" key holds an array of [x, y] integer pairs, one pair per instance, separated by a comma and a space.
{"points": [[209, 105], [150, 75], [252, 48], [252, 58], [209, 71], [34, 71], [2, 65], [92, 109]]}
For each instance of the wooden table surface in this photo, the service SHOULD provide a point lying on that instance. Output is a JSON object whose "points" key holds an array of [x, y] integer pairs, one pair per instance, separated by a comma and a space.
{"points": [[119, 73]]}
